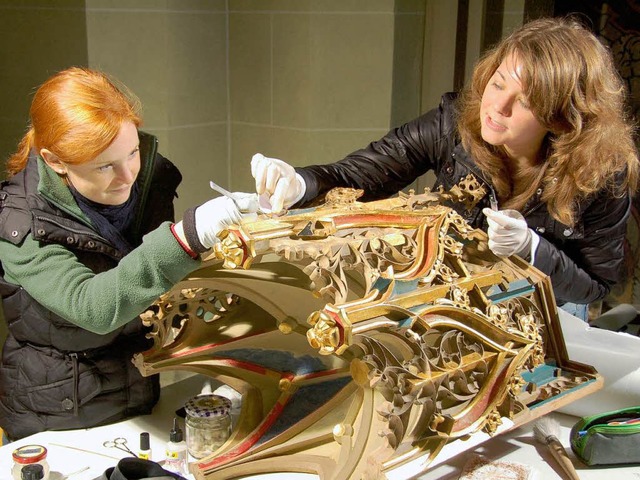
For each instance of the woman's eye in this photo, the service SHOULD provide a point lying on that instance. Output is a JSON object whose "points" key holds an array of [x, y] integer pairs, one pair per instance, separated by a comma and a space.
{"points": [[134, 152], [496, 85], [106, 167]]}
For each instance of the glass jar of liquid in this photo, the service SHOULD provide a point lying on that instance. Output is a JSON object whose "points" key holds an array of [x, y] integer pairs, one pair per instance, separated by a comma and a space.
{"points": [[29, 455], [208, 424]]}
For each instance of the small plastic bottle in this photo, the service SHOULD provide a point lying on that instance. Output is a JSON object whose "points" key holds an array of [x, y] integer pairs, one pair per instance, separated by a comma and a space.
{"points": [[176, 451], [29, 455], [145, 448]]}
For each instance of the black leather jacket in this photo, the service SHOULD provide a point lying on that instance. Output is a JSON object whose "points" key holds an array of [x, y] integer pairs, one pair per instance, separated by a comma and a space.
{"points": [[583, 261], [54, 374]]}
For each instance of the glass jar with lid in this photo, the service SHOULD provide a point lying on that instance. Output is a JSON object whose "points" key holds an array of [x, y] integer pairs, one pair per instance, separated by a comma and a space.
{"points": [[29, 455], [208, 424]]}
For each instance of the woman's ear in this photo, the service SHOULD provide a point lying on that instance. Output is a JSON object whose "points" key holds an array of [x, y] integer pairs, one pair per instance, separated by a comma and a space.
{"points": [[53, 161]]}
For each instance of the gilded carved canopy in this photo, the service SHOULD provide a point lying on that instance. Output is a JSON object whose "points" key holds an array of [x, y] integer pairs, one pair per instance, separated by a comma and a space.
{"points": [[362, 336]]}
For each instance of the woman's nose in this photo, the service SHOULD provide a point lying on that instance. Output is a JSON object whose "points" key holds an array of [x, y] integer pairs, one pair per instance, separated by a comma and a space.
{"points": [[503, 104], [126, 175]]}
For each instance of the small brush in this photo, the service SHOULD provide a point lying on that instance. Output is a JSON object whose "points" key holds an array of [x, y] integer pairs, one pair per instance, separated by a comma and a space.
{"points": [[545, 431]]}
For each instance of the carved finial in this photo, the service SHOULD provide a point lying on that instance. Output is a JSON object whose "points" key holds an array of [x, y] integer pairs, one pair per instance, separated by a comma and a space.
{"points": [[343, 196]]}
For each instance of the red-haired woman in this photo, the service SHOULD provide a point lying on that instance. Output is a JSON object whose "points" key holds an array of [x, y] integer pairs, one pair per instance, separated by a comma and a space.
{"points": [[542, 129], [87, 243]]}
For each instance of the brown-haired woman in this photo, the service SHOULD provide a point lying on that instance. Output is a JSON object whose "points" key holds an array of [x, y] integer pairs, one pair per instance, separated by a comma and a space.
{"points": [[87, 243], [542, 128]]}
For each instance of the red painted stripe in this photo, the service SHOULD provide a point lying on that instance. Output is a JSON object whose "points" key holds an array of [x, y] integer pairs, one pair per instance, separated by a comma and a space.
{"points": [[250, 440]]}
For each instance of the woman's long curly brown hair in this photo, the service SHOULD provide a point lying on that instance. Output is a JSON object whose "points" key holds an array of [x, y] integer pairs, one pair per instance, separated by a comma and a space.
{"points": [[75, 114], [574, 90]]}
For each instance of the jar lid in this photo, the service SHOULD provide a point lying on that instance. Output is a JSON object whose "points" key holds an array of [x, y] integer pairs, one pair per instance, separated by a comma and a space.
{"points": [[209, 405], [29, 454], [32, 472]]}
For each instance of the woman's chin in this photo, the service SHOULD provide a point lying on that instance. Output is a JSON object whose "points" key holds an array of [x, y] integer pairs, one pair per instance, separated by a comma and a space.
{"points": [[117, 197]]}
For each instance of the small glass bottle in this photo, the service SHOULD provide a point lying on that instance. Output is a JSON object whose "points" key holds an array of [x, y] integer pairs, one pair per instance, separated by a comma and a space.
{"points": [[30, 455], [208, 424], [175, 459]]}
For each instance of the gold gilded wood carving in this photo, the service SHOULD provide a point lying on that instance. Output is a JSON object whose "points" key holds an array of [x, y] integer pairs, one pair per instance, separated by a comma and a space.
{"points": [[363, 336]]}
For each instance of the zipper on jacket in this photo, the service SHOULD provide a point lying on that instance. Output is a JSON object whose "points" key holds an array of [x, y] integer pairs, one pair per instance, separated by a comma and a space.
{"points": [[146, 184], [532, 209], [76, 382]]}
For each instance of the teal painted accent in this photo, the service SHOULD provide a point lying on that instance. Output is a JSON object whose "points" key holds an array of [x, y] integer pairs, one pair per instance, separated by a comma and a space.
{"points": [[541, 375], [405, 323], [404, 287], [519, 283], [381, 284], [517, 288]]}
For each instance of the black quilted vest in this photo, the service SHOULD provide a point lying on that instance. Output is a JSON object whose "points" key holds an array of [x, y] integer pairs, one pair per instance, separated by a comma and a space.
{"points": [[55, 375]]}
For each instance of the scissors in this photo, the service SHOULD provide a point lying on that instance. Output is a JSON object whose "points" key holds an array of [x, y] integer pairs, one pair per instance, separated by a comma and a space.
{"points": [[120, 443]]}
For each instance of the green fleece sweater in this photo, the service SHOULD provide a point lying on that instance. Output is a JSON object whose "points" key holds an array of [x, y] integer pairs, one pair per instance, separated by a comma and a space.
{"points": [[102, 302]]}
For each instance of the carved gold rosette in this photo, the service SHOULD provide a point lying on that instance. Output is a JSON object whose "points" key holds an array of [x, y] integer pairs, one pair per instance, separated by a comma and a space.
{"points": [[363, 336]]}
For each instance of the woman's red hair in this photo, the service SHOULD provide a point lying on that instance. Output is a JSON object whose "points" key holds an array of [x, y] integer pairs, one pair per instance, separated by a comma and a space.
{"points": [[75, 114]]}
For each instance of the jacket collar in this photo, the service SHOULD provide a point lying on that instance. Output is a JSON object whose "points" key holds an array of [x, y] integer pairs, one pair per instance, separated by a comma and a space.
{"points": [[52, 187], [46, 182]]}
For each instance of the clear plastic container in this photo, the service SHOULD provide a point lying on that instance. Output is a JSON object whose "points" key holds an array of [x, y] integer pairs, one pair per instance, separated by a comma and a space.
{"points": [[29, 455], [208, 424]]}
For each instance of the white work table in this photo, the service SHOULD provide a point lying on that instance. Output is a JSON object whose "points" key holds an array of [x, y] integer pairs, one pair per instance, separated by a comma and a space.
{"points": [[83, 448], [75, 450]]}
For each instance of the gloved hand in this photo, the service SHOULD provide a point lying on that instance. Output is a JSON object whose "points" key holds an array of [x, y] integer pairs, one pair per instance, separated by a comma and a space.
{"points": [[214, 216], [246, 202], [508, 233], [277, 183]]}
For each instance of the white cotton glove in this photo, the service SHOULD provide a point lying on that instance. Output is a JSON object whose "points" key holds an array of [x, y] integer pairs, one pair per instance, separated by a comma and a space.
{"points": [[214, 216], [246, 202], [277, 183], [508, 233]]}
